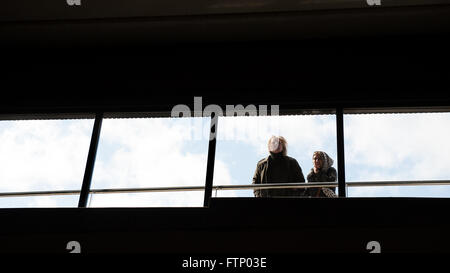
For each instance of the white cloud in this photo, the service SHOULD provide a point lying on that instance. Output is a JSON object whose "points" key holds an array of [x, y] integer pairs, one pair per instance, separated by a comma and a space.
{"points": [[43, 155], [147, 153], [398, 147], [410, 145], [223, 176]]}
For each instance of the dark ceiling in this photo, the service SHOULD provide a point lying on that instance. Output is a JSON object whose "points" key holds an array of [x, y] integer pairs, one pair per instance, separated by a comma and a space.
{"points": [[384, 57]]}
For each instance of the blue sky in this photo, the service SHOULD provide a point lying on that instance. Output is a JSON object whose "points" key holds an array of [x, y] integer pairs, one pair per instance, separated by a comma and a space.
{"points": [[51, 155]]}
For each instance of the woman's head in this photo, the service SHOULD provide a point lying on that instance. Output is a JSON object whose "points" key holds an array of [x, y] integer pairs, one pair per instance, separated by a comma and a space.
{"points": [[321, 160], [277, 145]]}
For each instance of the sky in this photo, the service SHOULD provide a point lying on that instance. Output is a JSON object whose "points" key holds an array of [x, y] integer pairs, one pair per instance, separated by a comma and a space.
{"points": [[40, 155]]}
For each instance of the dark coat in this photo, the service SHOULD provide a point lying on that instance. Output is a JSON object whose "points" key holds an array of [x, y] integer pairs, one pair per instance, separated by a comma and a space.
{"points": [[322, 176], [278, 168]]}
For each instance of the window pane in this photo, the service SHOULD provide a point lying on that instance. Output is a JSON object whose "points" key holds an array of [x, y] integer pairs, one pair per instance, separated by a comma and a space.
{"points": [[397, 147], [43, 155], [242, 142], [151, 152]]}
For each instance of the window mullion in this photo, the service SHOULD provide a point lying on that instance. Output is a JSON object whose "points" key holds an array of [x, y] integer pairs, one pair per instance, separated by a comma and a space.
{"points": [[89, 170]]}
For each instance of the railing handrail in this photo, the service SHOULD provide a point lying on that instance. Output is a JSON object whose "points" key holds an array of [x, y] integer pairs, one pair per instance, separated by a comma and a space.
{"points": [[232, 187]]}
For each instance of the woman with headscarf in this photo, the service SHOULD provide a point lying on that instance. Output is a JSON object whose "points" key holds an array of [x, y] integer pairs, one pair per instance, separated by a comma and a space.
{"points": [[278, 168], [322, 172]]}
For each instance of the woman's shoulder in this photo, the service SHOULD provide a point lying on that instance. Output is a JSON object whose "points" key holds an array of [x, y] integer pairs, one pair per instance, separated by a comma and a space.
{"points": [[331, 170], [262, 161], [311, 174], [291, 159]]}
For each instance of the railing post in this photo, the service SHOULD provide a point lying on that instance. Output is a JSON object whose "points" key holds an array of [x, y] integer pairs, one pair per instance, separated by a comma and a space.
{"points": [[82, 203], [340, 151]]}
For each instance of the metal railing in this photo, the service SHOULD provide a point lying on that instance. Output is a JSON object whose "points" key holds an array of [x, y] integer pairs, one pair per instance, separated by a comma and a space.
{"points": [[231, 187]]}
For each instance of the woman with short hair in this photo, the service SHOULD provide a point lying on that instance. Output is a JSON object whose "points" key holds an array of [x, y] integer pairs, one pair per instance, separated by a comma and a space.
{"points": [[278, 167]]}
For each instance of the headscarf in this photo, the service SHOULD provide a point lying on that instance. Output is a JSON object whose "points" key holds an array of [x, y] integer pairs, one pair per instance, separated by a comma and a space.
{"points": [[327, 160]]}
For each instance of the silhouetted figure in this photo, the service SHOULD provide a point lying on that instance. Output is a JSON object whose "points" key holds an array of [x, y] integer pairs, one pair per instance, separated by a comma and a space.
{"points": [[278, 168], [322, 172]]}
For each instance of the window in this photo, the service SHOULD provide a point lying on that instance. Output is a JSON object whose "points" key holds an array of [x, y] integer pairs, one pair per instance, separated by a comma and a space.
{"points": [[43, 155], [397, 147], [151, 153], [242, 142]]}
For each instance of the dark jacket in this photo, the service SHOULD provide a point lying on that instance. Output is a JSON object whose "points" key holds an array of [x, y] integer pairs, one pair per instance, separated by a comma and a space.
{"points": [[278, 168], [322, 176]]}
